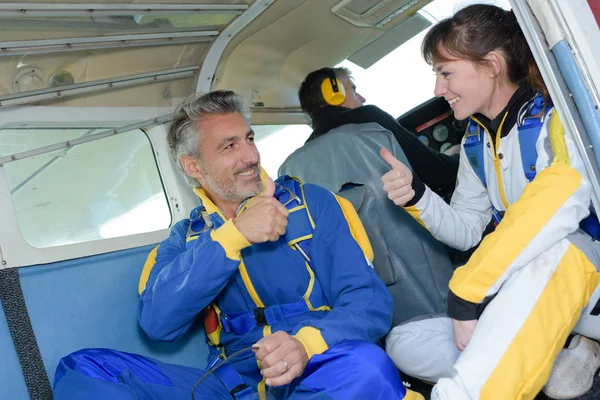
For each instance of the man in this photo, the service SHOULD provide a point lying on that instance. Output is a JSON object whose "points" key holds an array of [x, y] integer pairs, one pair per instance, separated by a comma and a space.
{"points": [[436, 170], [311, 307]]}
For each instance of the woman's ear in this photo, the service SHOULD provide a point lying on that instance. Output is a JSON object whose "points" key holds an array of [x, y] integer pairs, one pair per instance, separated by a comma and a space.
{"points": [[495, 63]]}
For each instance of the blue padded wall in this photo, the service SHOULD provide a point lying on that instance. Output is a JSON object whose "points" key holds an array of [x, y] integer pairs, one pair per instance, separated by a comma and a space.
{"points": [[88, 302]]}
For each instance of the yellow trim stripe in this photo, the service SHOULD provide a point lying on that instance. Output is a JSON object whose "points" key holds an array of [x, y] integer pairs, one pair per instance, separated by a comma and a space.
{"points": [[311, 283], [414, 212], [526, 365], [298, 208], [356, 227], [191, 238], [249, 285], [262, 389], [207, 203], [310, 218], [148, 265], [262, 385], [214, 338], [312, 340], [266, 330], [540, 200], [230, 238], [557, 140], [410, 395], [497, 166], [309, 289], [300, 239]]}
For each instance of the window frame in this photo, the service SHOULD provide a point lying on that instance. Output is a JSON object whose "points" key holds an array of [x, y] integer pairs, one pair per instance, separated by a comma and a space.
{"points": [[260, 138], [14, 249]]}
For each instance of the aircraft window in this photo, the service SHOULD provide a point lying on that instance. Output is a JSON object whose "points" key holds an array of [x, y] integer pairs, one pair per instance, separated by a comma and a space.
{"points": [[101, 189], [277, 142], [401, 80]]}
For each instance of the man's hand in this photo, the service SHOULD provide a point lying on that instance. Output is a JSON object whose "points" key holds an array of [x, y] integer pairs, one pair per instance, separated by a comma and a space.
{"points": [[281, 358], [265, 218], [463, 330], [397, 182]]}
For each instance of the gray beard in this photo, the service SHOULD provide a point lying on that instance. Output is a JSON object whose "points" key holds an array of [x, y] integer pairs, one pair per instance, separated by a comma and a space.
{"points": [[229, 193]]}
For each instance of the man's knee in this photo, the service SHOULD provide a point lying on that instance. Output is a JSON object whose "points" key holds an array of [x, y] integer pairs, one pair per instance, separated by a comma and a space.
{"points": [[353, 368], [108, 365], [90, 374], [371, 363], [364, 355]]}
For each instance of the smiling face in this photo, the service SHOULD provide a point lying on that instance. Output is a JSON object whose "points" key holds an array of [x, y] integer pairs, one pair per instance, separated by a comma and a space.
{"points": [[228, 168], [466, 86]]}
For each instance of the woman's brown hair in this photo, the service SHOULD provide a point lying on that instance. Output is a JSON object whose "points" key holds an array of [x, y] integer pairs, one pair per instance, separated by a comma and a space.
{"points": [[478, 29]]}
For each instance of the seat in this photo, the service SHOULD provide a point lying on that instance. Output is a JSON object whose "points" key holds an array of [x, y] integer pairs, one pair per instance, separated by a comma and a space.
{"points": [[414, 266], [88, 302]]}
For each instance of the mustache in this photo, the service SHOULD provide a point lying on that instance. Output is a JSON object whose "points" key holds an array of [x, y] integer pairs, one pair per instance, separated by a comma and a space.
{"points": [[247, 167]]}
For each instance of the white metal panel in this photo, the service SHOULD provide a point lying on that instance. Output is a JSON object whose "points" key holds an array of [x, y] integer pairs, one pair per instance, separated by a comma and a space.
{"points": [[583, 35], [534, 22], [84, 117], [26, 10], [213, 57]]}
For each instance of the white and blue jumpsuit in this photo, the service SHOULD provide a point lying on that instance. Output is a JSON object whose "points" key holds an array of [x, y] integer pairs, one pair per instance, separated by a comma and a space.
{"points": [[535, 276], [337, 307]]}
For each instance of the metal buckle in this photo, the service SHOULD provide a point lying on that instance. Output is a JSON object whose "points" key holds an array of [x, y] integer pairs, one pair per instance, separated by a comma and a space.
{"points": [[208, 224], [292, 197], [215, 360], [526, 110]]}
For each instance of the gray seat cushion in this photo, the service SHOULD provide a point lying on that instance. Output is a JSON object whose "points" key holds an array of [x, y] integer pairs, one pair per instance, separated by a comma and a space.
{"points": [[414, 266]]}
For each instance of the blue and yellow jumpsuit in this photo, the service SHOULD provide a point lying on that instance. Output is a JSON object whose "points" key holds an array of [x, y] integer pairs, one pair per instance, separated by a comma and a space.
{"points": [[337, 308]]}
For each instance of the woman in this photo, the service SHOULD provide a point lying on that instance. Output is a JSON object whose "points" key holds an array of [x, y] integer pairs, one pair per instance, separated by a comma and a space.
{"points": [[536, 274]]}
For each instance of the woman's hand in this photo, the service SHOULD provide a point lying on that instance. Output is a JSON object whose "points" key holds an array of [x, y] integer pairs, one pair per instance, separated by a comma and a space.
{"points": [[398, 182], [463, 330]]}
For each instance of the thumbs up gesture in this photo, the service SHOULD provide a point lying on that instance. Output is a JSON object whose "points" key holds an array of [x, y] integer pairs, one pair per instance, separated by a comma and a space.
{"points": [[264, 219], [397, 182]]}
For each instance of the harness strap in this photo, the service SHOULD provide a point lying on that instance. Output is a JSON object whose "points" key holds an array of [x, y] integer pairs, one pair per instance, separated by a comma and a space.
{"points": [[232, 380], [245, 321], [591, 226], [529, 124], [474, 150], [528, 136], [23, 337], [300, 227], [200, 222], [299, 231]]}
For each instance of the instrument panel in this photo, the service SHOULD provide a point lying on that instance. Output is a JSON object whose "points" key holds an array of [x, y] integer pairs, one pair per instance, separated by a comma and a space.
{"points": [[434, 124]]}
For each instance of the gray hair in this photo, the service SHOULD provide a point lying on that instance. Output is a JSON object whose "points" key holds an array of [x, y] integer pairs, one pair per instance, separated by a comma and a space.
{"points": [[184, 138]]}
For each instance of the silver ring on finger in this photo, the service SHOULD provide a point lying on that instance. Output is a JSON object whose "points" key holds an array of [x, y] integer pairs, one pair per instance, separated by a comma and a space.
{"points": [[285, 365]]}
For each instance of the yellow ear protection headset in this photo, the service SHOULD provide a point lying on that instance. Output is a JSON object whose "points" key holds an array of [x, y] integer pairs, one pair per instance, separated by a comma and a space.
{"points": [[332, 90]]}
